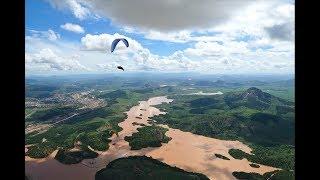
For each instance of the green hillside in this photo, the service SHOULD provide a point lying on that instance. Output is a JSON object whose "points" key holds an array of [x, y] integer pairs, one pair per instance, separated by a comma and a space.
{"points": [[144, 168], [148, 136], [263, 121]]}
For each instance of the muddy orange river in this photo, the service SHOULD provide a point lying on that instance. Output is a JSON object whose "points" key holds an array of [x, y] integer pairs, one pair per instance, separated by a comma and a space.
{"points": [[185, 150]]}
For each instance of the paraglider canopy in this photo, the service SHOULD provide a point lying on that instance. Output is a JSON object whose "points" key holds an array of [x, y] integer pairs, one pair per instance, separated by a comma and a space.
{"points": [[116, 41]]}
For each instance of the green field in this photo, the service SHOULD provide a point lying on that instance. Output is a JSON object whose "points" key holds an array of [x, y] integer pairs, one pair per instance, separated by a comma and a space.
{"points": [[47, 114]]}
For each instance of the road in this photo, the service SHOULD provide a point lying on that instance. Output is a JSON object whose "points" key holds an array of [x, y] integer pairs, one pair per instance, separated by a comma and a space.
{"points": [[51, 125], [64, 119], [30, 113]]}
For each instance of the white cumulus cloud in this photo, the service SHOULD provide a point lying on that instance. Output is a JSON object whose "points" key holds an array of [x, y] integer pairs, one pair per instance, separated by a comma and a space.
{"points": [[221, 36], [46, 59], [210, 57], [73, 28], [78, 8], [50, 34], [102, 42]]}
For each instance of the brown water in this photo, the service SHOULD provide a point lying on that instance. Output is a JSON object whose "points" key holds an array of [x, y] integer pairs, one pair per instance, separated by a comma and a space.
{"points": [[186, 150]]}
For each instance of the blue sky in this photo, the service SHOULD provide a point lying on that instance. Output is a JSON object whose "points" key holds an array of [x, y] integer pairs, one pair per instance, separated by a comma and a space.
{"points": [[74, 36], [40, 15]]}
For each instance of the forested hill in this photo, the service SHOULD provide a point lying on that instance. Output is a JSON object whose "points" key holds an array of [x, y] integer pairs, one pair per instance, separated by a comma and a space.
{"points": [[251, 115], [259, 119]]}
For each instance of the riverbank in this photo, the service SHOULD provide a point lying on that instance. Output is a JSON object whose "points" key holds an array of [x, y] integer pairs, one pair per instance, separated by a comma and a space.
{"points": [[185, 150]]}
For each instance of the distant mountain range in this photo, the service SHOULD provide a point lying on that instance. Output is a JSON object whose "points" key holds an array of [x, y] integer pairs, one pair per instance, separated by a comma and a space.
{"points": [[222, 83]]}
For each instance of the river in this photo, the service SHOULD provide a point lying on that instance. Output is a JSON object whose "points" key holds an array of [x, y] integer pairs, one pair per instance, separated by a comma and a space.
{"points": [[185, 150]]}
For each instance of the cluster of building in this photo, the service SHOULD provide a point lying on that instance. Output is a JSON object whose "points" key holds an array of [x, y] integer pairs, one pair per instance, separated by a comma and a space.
{"points": [[82, 99]]}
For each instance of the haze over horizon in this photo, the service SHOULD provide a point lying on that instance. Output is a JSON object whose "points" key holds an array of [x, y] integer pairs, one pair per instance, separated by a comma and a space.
{"points": [[211, 37]]}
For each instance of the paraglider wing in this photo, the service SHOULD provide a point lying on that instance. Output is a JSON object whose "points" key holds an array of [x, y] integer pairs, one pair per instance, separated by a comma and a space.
{"points": [[116, 41], [125, 42]]}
